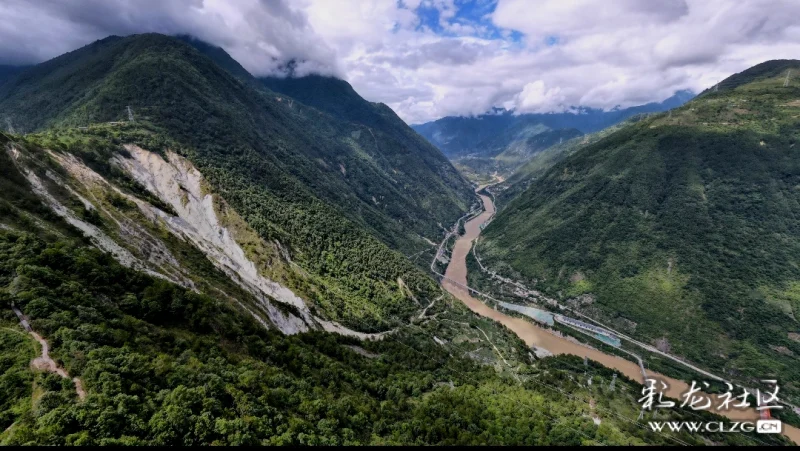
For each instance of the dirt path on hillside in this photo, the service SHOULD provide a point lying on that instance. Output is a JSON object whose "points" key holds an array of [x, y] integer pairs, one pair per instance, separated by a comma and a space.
{"points": [[44, 362]]}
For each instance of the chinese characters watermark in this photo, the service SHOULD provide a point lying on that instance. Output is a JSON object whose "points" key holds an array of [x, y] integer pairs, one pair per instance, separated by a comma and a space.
{"points": [[655, 389]]}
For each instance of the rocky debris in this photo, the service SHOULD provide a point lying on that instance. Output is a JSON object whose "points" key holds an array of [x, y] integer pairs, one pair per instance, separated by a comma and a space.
{"points": [[99, 239], [148, 248], [176, 182], [782, 350], [180, 185], [541, 352]]}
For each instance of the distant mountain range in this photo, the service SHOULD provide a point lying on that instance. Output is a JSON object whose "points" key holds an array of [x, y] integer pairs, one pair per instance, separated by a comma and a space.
{"points": [[457, 136]]}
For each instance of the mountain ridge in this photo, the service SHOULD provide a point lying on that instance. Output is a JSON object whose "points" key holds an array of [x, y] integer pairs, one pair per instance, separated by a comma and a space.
{"points": [[255, 106]]}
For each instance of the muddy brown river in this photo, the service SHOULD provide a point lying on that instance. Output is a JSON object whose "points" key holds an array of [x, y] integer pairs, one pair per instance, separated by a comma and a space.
{"points": [[534, 335]]}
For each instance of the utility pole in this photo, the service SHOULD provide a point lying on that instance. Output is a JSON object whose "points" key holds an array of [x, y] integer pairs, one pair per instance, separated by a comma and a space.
{"points": [[130, 114], [786, 82]]}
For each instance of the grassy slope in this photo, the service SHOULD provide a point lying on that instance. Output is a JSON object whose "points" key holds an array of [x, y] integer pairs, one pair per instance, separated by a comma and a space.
{"points": [[686, 225]]}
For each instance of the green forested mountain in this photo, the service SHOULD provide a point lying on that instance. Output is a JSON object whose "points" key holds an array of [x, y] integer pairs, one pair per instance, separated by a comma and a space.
{"points": [[523, 140], [519, 180], [401, 193], [219, 270], [202, 275], [422, 164], [296, 176], [682, 228]]}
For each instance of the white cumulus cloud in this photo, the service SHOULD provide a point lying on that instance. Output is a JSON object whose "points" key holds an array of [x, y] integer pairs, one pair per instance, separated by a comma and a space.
{"points": [[432, 58]]}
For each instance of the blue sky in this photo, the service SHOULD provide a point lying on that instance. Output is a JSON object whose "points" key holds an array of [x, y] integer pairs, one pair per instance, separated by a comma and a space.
{"points": [[471, 13]]}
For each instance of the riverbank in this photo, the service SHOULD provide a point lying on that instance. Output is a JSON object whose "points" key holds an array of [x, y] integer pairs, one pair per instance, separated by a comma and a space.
{"points": [[455, 282]]}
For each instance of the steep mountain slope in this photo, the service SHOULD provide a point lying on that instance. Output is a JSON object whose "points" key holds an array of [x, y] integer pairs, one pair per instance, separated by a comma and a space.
{"points": [[272, 164], [523, 140], [422, 164], [181, 362], [184, 283], [126, 282], [221, 58], [381, 185], [457, 136], [682, 229], [522, 176]]}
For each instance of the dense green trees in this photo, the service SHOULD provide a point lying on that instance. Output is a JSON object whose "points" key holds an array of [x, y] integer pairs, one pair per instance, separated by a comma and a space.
{"points": [[163, 365]]}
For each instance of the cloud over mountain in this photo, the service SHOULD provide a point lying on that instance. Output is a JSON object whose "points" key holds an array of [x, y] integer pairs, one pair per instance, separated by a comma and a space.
{"points": [[431, 58]]}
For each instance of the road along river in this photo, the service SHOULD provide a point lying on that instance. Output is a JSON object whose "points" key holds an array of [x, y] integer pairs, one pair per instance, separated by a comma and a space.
{"points": [[534, 335]]}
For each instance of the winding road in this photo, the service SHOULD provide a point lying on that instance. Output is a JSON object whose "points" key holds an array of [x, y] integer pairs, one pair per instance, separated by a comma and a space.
{"points": [[455, 282]]}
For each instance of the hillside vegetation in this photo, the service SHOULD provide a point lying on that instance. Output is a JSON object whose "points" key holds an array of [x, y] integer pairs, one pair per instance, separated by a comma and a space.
{"points": [[506, 151], [682, 227], [161, 363], [167, 366], [225, 269], [400, 191], [538, 164]]}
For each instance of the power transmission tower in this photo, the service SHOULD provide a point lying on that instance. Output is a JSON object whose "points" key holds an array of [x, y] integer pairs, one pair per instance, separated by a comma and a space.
{"points": [[786, 82], [130, 114], [716, 87], [613, 381]]}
